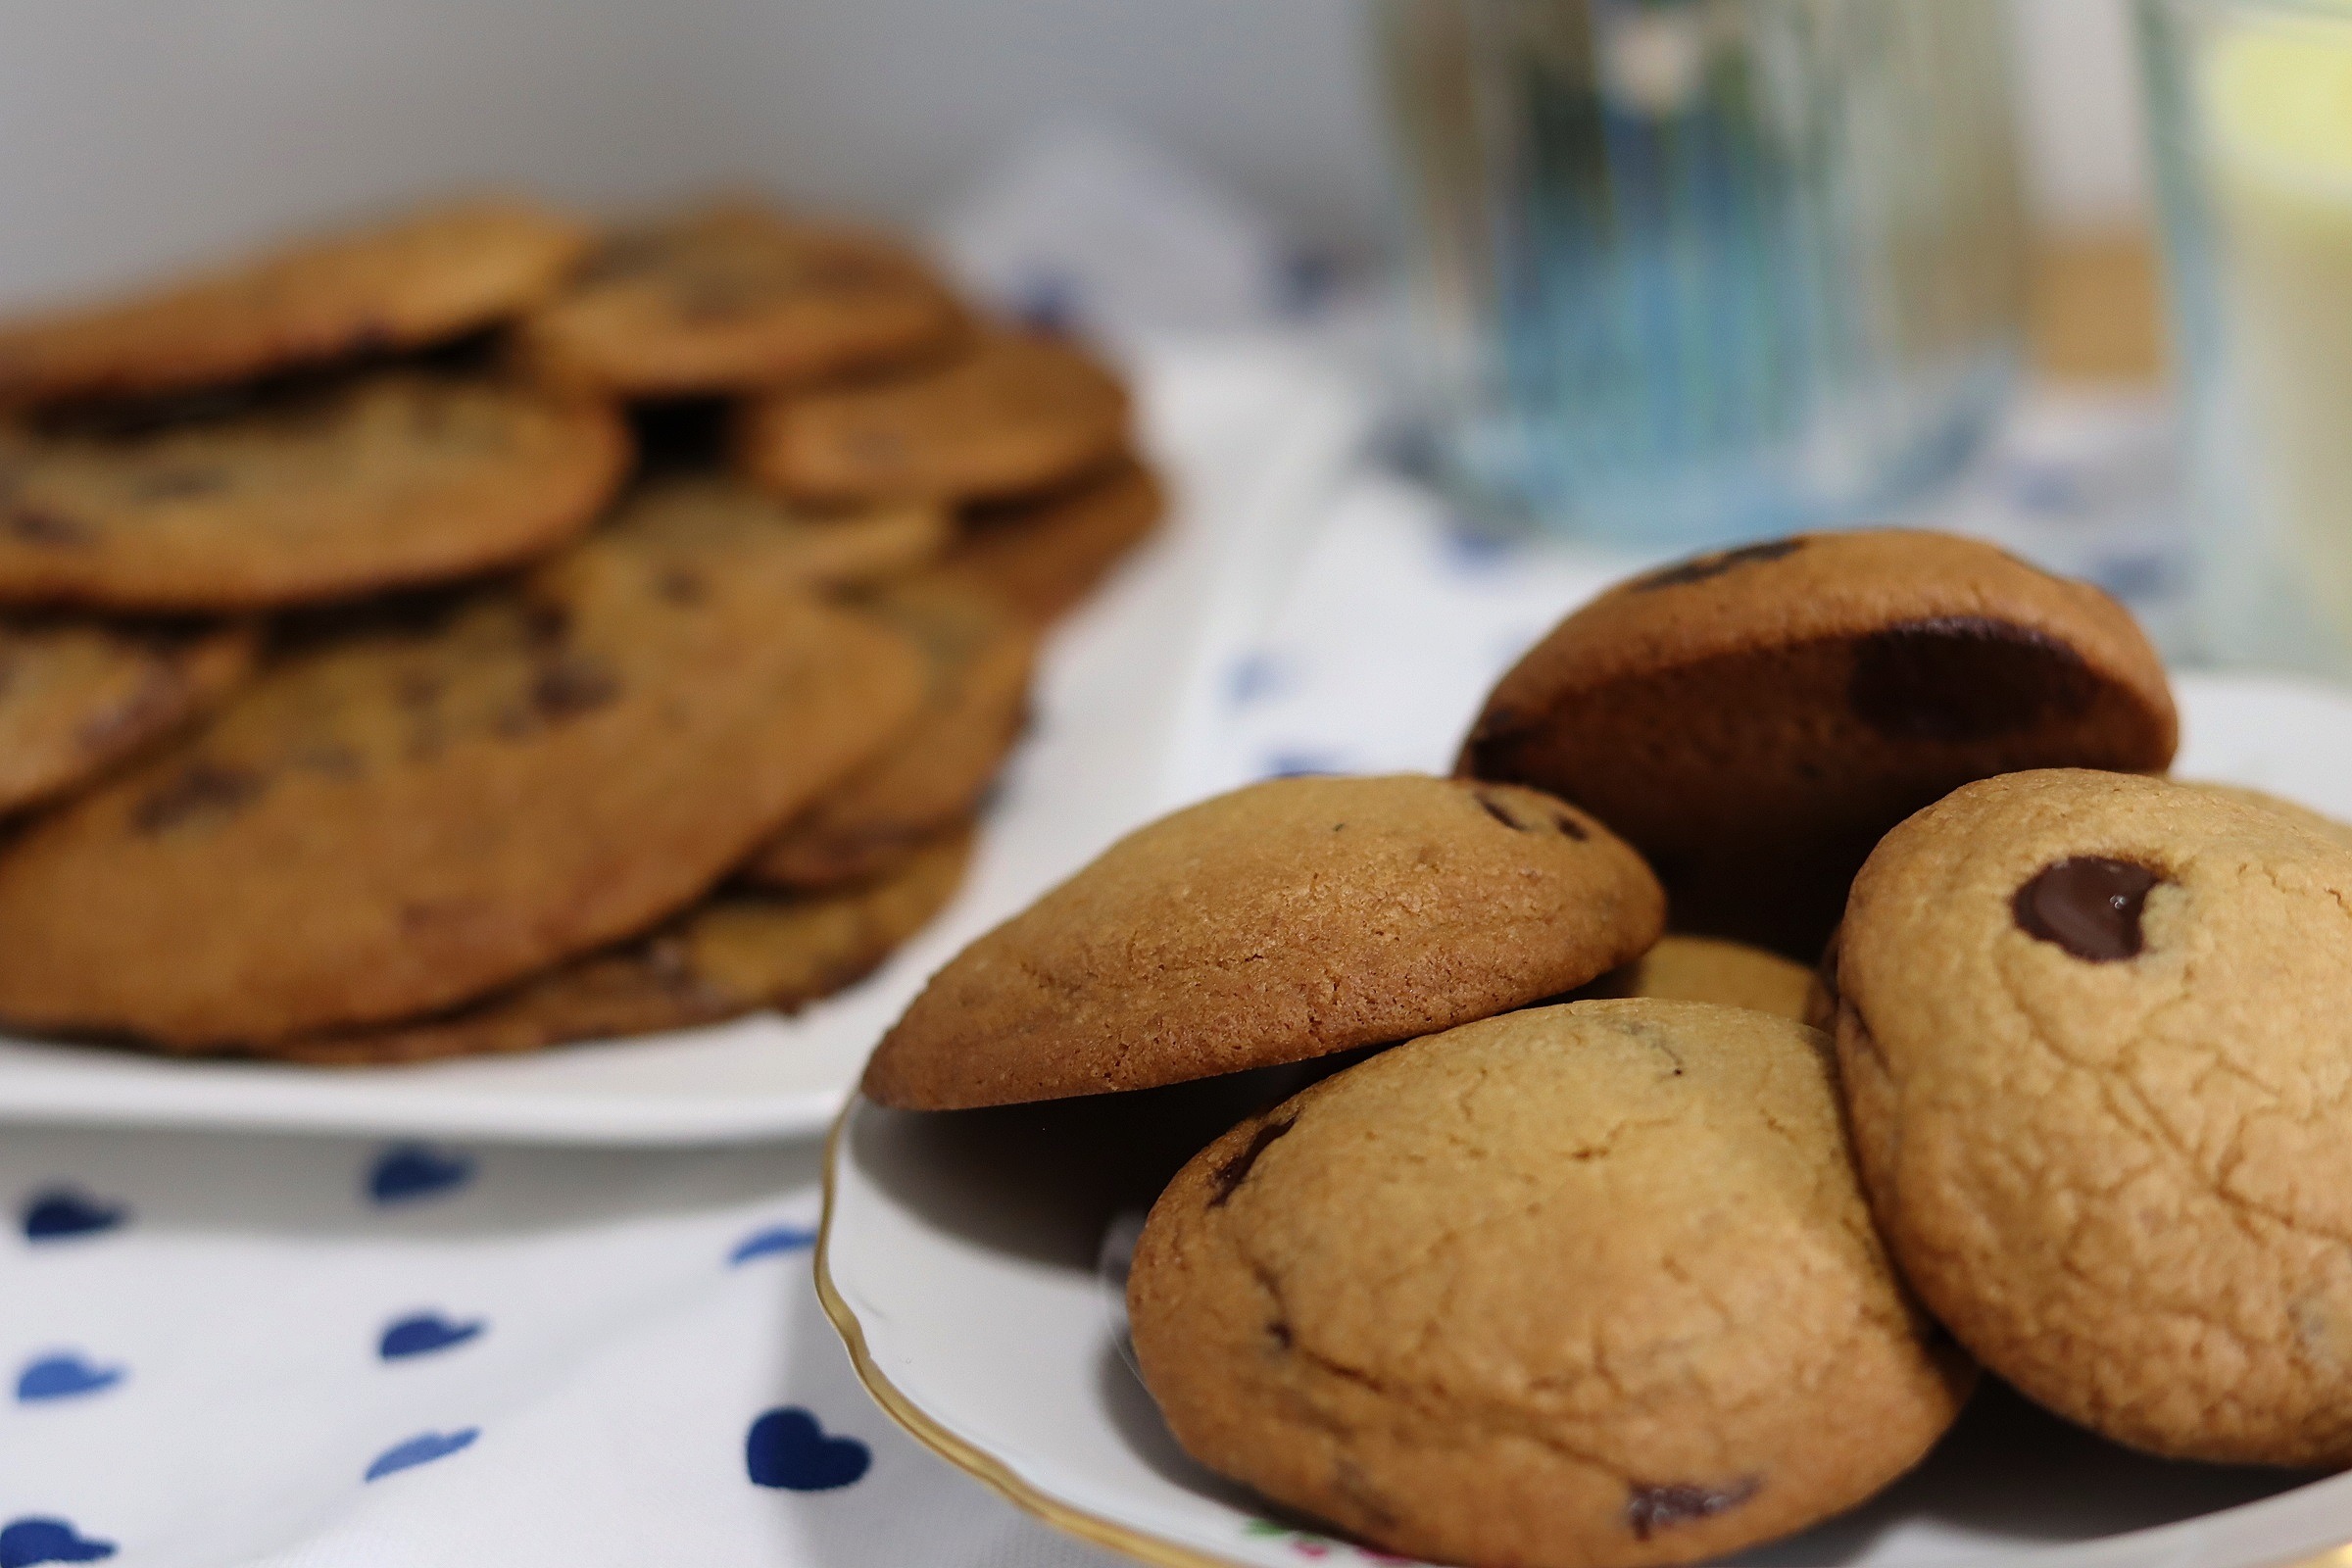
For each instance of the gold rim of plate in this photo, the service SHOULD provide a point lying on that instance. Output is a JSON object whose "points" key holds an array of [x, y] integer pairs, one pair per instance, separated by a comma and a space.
{"points": [[966, 1456], [973, 1461]]}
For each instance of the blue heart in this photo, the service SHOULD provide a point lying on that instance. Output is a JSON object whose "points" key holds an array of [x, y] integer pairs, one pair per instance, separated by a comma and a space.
{"points": [[423, 1334], [61, 1211], [787, 1448], [61, 1377], [422, 1448], [406, 1172], [775, 1239], [25, 1542]]}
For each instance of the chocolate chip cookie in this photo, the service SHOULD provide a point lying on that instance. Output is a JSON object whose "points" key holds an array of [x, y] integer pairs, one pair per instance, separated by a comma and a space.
{"points": [[1754, 720], [312, 493], [2094, 1044], [1583, 1284], [1013, 415], [406, 815], [78, 695], [1733, 974], [1284, 921], [734, 954], [706, 522], [1044, 555], [933, 776], [433, 274], [736, 299]]}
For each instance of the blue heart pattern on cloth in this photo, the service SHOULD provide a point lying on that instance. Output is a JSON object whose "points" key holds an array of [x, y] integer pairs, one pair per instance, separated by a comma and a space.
{"points": [[786, 1448], [423, 1334], [772, 1240], [422, 1448], [62, 1212], [407, 1172], [62, 1377], [26, 1541]]}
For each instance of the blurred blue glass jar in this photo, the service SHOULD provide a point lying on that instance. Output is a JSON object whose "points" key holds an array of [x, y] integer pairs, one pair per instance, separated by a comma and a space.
{"points": [[1687, 271]]}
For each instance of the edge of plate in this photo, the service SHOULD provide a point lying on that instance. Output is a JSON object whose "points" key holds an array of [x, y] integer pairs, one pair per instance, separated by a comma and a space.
{"points": [[1091, 1528]]}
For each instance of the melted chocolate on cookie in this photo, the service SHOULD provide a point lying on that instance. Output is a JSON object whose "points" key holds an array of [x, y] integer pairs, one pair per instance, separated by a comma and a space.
{"points": [[2088, 906]]}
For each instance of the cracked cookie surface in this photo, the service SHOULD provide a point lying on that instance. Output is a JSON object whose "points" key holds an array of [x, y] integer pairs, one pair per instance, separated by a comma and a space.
{"points": [[1284, 921], [1754, 720], [383, 481], [2094, 1043], [1589, 1285]]}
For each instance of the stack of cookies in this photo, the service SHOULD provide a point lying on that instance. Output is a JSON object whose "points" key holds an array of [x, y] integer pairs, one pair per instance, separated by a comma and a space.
{"points": [[470, 632], [1650, 1241]]}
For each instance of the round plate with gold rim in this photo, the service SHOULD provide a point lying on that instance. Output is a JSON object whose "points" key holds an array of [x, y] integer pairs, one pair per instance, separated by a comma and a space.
{"points": [[974, 1263]]}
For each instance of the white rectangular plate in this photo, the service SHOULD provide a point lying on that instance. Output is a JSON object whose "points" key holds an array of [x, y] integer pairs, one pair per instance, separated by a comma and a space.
{"points": [[1248, 439]]}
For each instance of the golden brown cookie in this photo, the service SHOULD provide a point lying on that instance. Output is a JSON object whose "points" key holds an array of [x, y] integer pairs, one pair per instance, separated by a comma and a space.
{"points": [[733, 954], [1284, 921], [934, 773], [420, 278], [400, 818], [1043, 556], [76, 696], [1012, 415], [2319, 822], [2095, 1047], [734, 299], [708, 519], [1582, 1286], [321, 492], [1754, 720], [1732, 974]]}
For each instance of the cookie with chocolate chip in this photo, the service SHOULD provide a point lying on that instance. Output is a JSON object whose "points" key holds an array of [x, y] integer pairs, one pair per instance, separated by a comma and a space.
{"points": [[736, 299], [979, 654], [1731, 974], [414, 810], [2094, 1045], [1286, 921], [300, 494], [1589, 1284], [1044, 555], [406, 283], [1013, 415], [733, 954], [79, 696], [700, 523], [1754, 720]]}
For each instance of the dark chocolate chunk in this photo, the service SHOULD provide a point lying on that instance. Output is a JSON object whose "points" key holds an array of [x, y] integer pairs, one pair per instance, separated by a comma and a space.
{"points": [[1571, 827], [153, 700], [1496, 810], [47, 528], [2088, 906], [202, 788], [179, 484], [1650, 1509], [1236, 1170], [1704, 567], [573, 686], [1961, 678]]}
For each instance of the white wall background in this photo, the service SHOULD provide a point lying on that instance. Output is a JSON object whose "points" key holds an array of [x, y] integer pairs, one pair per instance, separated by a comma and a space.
{"points": [[137, 131]]}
